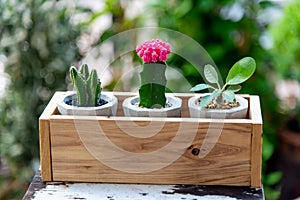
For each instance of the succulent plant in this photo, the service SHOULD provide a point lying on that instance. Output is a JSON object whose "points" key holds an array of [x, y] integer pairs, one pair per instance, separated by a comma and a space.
{"points": [[88, 86], [239, 73]]}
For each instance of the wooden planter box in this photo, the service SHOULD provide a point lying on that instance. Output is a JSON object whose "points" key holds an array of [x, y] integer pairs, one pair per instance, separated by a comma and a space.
{"points": [[114, 149]]}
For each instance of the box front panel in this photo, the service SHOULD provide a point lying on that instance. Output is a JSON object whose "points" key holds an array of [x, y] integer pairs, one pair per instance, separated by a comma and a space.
{"points": [[158, 152]]}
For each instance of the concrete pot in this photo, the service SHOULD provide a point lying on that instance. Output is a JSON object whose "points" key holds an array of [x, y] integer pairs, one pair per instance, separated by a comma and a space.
{"points": [[234, 113], [107, 109], [131, 109]]}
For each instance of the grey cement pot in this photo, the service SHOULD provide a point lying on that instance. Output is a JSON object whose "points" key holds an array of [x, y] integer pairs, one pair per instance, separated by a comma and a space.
{"points": [[234, 113], [108, 109], [131, 109]]}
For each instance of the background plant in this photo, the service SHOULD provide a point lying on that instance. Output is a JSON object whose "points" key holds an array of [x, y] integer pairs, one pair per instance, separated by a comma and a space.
{"points": [[286, 53], [239, 73], [286, 48], [285, 33], [37, 44], [228, 29]]}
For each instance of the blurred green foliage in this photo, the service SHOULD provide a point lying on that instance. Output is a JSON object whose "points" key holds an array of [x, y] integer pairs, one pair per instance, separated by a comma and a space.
{"points": [[38, 44], [38, 41], [286, 49], [120, 23], [286, 52], [285, 33]]}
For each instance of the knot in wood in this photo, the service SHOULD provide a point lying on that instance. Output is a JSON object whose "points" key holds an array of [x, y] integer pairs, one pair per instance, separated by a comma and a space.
{"points": [[195, 151]]}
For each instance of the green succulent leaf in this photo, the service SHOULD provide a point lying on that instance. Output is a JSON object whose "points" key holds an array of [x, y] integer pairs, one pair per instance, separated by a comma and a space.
{"points": [[234, 88], [85, 71], [99, 90], [206, 100], [228, 95], [80, 85], [210, 74], [73, 73], [201, 86], [216, 93], [241, 71], [93, 82]]}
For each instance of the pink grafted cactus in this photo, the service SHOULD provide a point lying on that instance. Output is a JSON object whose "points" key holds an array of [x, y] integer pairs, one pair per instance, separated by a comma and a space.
{"points": [[153, 51]]}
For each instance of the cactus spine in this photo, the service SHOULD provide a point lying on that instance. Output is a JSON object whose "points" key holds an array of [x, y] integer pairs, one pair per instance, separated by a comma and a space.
{"points": [[87, 85]]}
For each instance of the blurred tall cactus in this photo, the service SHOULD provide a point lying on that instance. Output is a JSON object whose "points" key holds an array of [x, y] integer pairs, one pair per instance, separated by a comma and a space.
{"points": [[88, 86]]}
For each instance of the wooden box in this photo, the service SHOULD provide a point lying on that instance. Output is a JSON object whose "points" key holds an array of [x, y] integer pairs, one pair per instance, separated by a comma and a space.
{"points": [[151, 150]]}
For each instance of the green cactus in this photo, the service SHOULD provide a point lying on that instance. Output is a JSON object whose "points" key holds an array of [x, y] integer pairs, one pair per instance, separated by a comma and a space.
{"points": [[87, 85], [153, 85]]}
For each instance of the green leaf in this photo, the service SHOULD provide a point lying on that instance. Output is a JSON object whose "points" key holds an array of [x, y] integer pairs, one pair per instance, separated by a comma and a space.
{"points": [[234, 88], [210, 74], [228, 95], [201, 86], [73, 73], [273, 178], [85, 71], [80, 85], [241, 71], [206, 100], [93, 88], [99, 89], [216, 93]]}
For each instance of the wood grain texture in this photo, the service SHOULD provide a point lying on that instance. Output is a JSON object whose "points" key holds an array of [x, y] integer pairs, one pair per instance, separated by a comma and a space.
{"points": [[256, 144], [92, 149], [44, 137], [78, 153], [45, 154]]}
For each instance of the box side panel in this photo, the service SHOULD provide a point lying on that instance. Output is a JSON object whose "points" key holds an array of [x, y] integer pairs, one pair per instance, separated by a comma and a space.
{"points": [[150, 152], [44, 137], [256, 155], [256, 143], [45, 154]]}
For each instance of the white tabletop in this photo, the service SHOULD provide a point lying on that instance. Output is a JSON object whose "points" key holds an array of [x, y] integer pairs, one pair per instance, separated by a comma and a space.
{"points": [[103, 191]]}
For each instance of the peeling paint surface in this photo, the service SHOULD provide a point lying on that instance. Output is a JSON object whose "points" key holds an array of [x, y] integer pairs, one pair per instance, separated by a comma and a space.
{"points": [[117, 192], [39, 190]]}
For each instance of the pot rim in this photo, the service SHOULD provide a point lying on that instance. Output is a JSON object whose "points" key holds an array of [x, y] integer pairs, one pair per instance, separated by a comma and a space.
{"points": [[178, 104], [192, 103], [108, 97]]}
